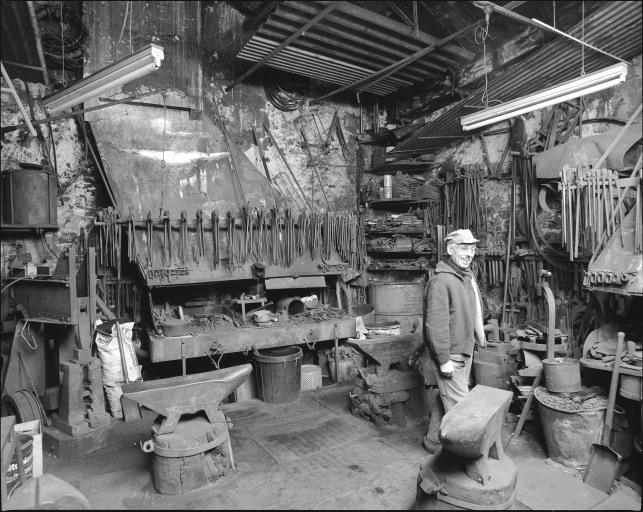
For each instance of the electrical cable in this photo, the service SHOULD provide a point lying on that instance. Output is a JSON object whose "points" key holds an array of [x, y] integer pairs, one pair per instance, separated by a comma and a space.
{"points": [[120, 37], [63, 36], [14, 282], [282, 97]]}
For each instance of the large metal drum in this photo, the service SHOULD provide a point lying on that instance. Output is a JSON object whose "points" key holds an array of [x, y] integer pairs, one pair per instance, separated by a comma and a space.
{"points": [[28, 199], [398, 302]]}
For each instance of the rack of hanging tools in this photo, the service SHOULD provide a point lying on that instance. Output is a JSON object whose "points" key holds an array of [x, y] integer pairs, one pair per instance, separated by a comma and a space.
{"points": [[212, 242], [590, 210], [463, 200]]}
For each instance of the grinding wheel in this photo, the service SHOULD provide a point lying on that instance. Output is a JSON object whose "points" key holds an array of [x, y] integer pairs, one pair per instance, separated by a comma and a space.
{"points": [[21, 404]]}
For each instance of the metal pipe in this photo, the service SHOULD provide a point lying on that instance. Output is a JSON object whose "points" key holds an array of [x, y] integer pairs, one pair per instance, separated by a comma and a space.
{"points": [[539, 23], [265, 127], [336, 353]]}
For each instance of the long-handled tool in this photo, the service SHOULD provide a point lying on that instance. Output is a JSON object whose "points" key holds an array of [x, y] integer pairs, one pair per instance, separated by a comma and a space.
{"points": [[604, 462], [121, 349]]}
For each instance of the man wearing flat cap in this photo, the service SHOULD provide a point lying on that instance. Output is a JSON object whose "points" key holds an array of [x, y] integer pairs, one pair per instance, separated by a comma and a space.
{"points": [[452, 325]]}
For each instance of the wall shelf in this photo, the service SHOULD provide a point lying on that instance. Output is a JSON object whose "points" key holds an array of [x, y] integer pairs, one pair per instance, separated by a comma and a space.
{"points": [[394, 202], [403, 165]]}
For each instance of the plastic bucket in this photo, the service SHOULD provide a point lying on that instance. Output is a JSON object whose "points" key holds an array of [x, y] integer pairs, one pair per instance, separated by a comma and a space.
{"points": [[278, 374], [562, 374], [311, 377]]}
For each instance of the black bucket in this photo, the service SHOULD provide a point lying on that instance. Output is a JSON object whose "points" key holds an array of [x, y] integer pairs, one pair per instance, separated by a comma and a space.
{"points": [[278, 373]]}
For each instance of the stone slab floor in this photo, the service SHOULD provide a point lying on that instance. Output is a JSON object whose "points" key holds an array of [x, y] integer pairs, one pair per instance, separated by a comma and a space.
{"points": [[313, 454]]}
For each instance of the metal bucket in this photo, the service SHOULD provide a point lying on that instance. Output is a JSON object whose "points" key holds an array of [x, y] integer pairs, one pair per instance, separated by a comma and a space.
{"points": [[569, 435], [562, 375], [366, 311], [398, 302]]}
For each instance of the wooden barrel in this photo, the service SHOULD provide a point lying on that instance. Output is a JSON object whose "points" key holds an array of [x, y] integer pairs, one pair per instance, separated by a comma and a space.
{"points": [[195, 454]]}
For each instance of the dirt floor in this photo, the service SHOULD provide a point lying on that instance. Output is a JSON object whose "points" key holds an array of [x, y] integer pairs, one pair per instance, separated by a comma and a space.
{"points": [[313, 454]]}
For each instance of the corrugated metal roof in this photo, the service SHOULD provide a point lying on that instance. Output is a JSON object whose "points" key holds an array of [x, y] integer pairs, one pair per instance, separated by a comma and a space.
{"points": [[20, 50], [348, 44], [615, 28]]}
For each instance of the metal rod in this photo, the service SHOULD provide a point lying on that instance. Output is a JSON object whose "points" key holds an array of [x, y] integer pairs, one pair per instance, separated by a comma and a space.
{"points": [[336, 353], [76, 112], [617, 139], [541, 24], [13, 92], [283, 157], [321, 185]]}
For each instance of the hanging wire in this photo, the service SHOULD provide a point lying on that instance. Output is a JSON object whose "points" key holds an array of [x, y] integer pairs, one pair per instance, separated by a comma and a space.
{"points": [[480, 37], [163, 173], [131, 9], [120, 37], [62, 42], [554, 24], [582, 37]]}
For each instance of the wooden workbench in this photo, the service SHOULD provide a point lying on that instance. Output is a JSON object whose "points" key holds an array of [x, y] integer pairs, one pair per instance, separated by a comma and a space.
{"points": [[241, 339]]}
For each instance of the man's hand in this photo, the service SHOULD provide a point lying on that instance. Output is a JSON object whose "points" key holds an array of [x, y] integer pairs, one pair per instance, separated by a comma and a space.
{"points": [[447, 369]]}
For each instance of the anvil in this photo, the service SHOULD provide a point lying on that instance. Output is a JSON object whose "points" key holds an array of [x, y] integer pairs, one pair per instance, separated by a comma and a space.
{"points": [[187, 394]]}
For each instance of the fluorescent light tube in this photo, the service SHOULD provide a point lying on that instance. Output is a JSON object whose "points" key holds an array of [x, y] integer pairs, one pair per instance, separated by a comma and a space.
{"points": [[134, 66], [592, 82]]}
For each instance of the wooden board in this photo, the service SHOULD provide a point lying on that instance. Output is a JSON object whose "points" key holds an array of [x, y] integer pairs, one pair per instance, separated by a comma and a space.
{"points": [[539, 491]]}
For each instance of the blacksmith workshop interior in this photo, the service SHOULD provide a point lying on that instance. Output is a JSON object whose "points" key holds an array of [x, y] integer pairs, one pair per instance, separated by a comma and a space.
{"points": [[321, 255]]}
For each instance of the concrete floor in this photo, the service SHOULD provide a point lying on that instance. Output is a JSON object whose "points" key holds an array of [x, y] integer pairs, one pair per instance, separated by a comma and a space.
{"points": [[313, 454]]}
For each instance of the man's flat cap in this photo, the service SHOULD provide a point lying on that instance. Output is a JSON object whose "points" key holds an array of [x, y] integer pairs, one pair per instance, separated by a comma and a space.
{"points": [[461, 236]]}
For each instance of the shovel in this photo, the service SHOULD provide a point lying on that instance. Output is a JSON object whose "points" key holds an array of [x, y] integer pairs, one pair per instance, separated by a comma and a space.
{"points": [[604, 462]]}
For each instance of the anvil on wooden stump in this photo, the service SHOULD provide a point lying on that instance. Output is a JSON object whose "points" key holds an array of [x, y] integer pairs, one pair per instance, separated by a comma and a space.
{"points": [[187, 394], [188, 452], [471, 469]]}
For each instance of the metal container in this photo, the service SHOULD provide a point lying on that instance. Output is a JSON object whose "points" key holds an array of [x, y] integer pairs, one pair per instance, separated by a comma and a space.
{"points": [[398, 302], [562, 374], [28, 199], [366, 311], [631, 387], [569, 435], [388, 186], [383, 328], [278, 372]]}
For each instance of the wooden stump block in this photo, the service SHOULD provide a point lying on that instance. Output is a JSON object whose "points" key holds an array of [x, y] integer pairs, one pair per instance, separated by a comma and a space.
{"points": [[174, 473]]}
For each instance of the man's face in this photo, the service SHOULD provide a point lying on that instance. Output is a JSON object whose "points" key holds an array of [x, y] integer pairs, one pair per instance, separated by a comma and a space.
{"points": [[462, 254]]}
